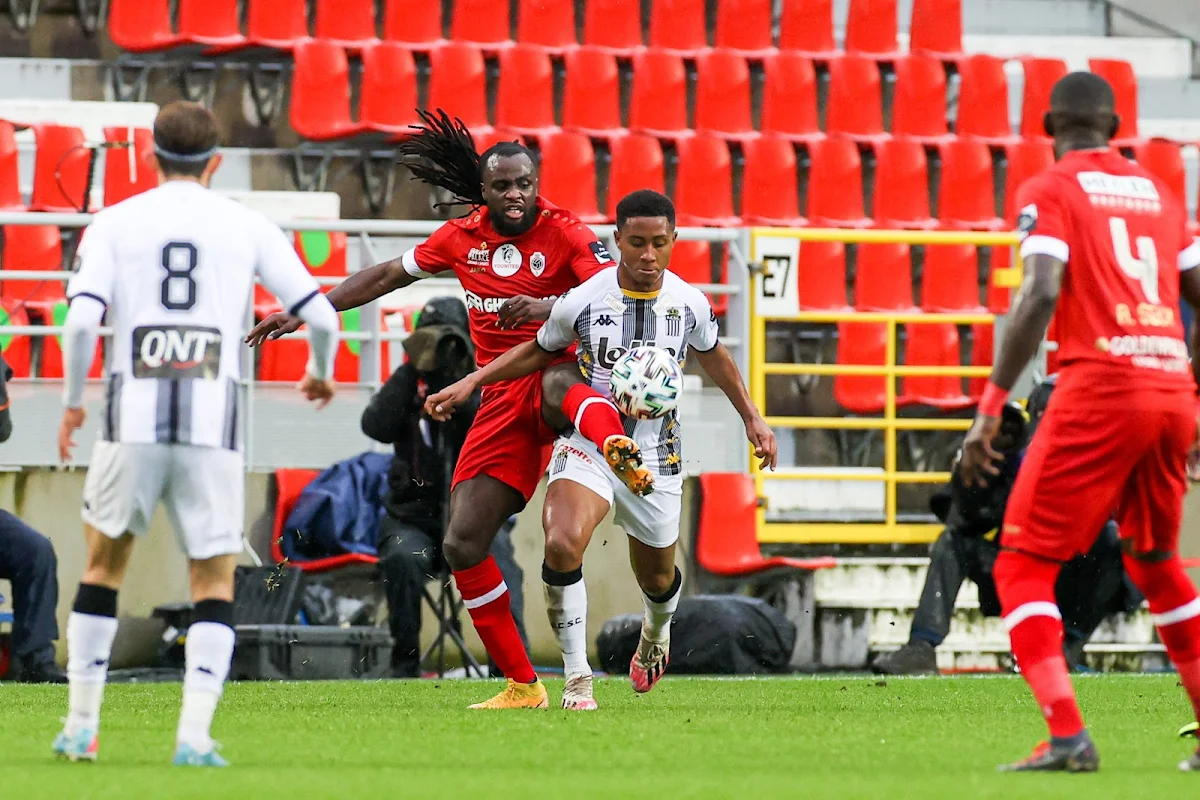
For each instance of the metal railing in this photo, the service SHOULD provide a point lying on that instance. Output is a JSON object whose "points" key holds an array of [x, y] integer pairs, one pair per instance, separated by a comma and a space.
{"points": [[775, 298]]}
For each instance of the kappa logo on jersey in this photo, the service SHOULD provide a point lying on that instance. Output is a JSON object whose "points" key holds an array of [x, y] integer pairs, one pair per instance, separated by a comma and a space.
{"points": [[537, 264], [488, 305], [506, 260], [176, 351], [1026, 221], [605, 319], [607, 356], [600, 252]]}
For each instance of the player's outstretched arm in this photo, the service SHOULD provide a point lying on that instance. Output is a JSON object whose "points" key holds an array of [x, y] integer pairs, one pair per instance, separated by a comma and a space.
{"points": [[720, 366], [524, 359]]}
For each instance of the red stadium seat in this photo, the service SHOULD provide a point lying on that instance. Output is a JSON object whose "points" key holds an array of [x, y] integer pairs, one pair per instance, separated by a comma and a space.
{"points": [[901, 185], [693, 261], [933, 345], [919, 99], [320, 104], [289, 484], [458, 84], [60, 169], [835, 194], [52, 354], [10, 185], [951, 278], [1026, 158], [495, 136], [983, 100], [966, 193], [16, 348], [789, 102], [323, 252], [32, 247], [277, 24], [525, 100], [614, 25], [568, 174], [883, 277], [807, 27], [723, 95], [770, 183], [999, 298], [141, 26], [678, 26], [346, 23], [285, 359], [855, 106], [1119, 75], [547, 23], [130, 170], [482, 22], [983, 336], [745, 26], [871, 29], [861, 344], [388, 96], [936, 29], [1040, 76], [215, 23], [659, 102], [704, 183], [821, 276], [592, 92], [637, 163], [416, 24], [1163, 158]]}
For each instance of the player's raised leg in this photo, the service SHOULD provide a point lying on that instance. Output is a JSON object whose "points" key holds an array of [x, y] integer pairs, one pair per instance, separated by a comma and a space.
{"points": [[572, 511], [568, 400], [478, 507], [91, 629]]}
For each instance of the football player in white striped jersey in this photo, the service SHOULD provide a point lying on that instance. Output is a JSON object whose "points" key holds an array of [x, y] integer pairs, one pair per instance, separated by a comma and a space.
{"points": [[173, 269], [639, 302]]}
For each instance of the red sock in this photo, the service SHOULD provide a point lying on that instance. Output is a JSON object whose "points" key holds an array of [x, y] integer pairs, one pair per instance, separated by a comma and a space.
{"points": [[593, 414], [1026, 588], [1176, 611], [486, 597]]}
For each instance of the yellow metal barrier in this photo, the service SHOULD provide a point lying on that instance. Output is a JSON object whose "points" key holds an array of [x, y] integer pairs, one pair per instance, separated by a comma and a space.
{"points": [[775, 298]]}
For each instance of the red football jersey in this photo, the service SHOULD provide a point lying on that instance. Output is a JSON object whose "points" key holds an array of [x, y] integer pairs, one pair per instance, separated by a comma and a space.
{"points": [[558, 253], [1123, 237]]}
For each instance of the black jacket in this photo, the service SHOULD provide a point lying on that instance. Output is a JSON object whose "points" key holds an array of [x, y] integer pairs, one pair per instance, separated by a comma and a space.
{"points": [[417, 480]]}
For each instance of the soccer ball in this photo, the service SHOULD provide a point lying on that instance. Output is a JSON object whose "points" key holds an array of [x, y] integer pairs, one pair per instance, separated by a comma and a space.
{"points": [[646, 383]]}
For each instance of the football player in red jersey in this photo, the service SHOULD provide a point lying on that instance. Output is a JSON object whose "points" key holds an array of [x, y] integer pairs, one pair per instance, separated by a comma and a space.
{"points": [[512, 243], [1105, 247]]}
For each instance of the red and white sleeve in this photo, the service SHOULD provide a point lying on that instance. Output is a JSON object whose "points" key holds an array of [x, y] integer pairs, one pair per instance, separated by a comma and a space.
{"points": [[1042, 220]]}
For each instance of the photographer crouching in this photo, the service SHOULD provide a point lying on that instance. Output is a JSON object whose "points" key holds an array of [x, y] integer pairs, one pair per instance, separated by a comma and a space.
{"points": [[410, 533], [1090, 587]]}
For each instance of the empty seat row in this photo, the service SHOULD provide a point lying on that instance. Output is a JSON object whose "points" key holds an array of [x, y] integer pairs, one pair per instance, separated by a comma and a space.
{"points": [[46, 359], [680, 26]]}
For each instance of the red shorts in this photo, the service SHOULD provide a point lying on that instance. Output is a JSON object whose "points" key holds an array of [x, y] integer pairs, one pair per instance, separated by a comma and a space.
{"points": [[509, 440], [1086, 464]]}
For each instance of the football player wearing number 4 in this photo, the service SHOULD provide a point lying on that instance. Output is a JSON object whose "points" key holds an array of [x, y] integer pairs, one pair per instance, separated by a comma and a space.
{"points": [[174, 269], [638, 303], [1105, 247]]}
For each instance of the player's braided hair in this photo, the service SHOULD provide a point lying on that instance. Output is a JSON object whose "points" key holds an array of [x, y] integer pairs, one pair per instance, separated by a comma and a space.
{"points": [[442, 154]]}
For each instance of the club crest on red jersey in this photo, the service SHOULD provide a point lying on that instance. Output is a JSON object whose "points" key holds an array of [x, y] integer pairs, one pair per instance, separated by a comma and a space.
{"points": [[1027, 220], [537, 264]]}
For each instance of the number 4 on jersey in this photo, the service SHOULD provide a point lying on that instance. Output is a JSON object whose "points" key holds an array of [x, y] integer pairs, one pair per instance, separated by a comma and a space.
{"points": [[1143, 267]]}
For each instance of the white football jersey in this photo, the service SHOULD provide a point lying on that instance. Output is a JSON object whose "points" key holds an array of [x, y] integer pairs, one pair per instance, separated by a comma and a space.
{"points": [[174, 267], [607, 320]]}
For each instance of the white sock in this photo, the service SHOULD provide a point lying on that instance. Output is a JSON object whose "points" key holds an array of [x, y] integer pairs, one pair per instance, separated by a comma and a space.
{"points": [[208, 652], [567, 608], [656, 623], [89, 648]]}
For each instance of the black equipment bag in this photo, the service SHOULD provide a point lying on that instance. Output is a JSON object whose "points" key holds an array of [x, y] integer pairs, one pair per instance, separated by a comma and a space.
{"points": [[710, 635]]}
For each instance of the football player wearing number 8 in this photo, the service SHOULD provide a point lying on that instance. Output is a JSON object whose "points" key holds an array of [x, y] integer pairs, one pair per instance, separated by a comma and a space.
{"points": [[639, 302], [174, 269], [1105, 248]]}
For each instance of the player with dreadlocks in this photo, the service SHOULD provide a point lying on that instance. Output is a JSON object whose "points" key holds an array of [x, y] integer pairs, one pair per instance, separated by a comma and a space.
{"points": [[513, 252]]}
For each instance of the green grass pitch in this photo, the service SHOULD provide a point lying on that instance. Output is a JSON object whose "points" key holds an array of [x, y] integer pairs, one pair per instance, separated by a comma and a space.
{"points": [[803, 737]]}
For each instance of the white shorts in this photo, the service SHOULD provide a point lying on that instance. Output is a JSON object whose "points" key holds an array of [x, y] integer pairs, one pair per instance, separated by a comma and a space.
{"points": [[204, 489], [653, 520]]}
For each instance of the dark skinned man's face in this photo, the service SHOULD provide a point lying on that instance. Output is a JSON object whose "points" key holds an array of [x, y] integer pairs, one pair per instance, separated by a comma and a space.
{"points": [[645, 244], [510, 187]]}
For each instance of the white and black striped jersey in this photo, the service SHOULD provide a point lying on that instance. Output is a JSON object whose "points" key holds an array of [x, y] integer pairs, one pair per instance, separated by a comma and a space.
{"points": [[607, 320], [174, 268]]}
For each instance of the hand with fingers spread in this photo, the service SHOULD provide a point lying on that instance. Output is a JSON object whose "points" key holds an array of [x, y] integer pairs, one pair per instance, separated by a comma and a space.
{"points": [[440, 406], [72, 420], [523, 309], [273, 327], [980, 458], [763, 440], [317, 391]]}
